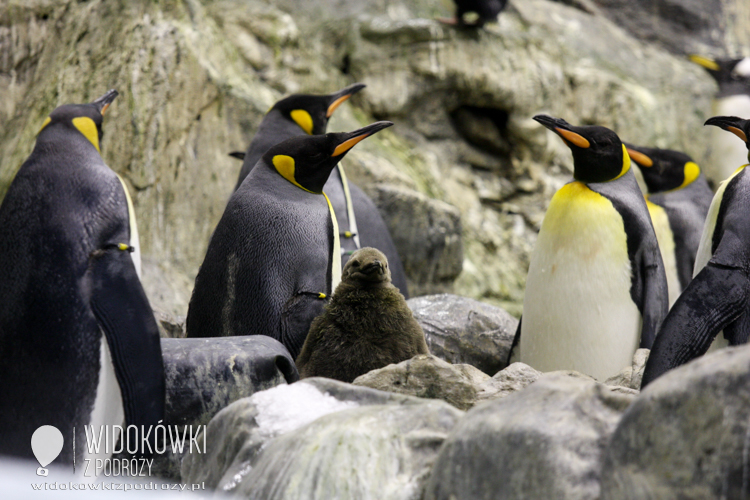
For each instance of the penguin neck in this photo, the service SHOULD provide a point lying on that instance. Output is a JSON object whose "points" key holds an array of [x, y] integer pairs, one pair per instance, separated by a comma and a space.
{"points": [[58, 139], [274, 128]]}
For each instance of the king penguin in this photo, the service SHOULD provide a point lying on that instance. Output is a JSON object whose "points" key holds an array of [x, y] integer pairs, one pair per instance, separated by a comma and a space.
{"points": [[78, 340], [275, 257], [596, 288], [360, 222], [733, 98], [678, 199], [486, 11], [718, 296]]}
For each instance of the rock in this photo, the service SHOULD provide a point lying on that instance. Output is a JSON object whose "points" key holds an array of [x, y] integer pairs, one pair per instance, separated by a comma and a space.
{"points": [[631, 376], [505, 382], [546, 441], [463, 330], [427, 233], [170, 327], [426, 376], [319, 439], [203, 376], [686, 435]]}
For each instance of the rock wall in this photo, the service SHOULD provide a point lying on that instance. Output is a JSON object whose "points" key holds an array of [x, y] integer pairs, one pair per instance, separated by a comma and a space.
{"points": [[465, 160]]}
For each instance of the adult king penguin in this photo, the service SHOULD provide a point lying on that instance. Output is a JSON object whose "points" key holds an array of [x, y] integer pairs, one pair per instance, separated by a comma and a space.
{"points": [[596, 288], [678, 200], [78, 340], [275, 257], [717, 297], [733, 98], [360, 222]]}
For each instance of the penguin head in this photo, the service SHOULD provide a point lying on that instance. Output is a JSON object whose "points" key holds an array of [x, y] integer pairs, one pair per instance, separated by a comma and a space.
{"points": [[664, 169], [307, 161], [367, 266], [724, 70], [598, 154], [311, 112], [735, 125], [84, 118]]}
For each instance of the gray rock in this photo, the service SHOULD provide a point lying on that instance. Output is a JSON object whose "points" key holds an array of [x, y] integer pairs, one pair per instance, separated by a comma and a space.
{"points": [[463, 330], [512, 379], [170, 327], [686, 435], [203, 376], [631, 376], [320, 438], [543, 442], [426, 376], [427, 233]]}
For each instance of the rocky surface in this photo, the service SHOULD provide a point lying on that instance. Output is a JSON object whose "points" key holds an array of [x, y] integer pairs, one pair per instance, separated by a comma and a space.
{"points": [[464, 157], [320, 438], [631, 376], [686, 436], [463, 330], [203, 376], [543, 442]]}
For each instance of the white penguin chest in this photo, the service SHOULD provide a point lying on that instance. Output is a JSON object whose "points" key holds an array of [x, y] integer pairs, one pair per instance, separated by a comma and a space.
{"points": [[665, 238], [578, 313]]}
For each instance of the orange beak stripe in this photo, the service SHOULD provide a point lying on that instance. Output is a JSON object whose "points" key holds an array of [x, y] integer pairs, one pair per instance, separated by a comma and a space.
{"points": [[738, 132], [573, 138], [347, 145], [640, 158], [335, 104]]}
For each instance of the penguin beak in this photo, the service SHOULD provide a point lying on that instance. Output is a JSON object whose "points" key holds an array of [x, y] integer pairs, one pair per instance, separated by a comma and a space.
{"points": [[641, 159], [372, 267], [240, 155], [564, 130], [732, 124], [341, 96], [707, 63], [350, 139], [104, 101]]}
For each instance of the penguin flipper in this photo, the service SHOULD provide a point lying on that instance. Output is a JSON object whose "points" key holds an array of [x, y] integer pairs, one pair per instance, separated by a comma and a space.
{"points": [[714, 298], [296, 318], [654, 296], [124, 314]]}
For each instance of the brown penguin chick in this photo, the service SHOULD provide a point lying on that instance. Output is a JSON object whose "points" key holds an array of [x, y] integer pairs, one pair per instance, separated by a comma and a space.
{"points": [[366, 325]]}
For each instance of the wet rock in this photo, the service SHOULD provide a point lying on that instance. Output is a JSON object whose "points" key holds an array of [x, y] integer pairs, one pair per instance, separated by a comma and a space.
{"points": [[463, 330], [319, 439], [545, 441], [686, 435]]}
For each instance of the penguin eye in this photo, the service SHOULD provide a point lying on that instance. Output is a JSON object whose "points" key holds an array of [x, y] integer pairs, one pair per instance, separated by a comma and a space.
{"points": [[355, 263]]}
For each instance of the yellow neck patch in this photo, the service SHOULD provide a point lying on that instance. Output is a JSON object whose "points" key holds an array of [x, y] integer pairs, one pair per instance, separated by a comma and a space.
{"points": [[285, 166], [625, 162], [692, 171], [87, 127], [46, 122], [303, 119]]}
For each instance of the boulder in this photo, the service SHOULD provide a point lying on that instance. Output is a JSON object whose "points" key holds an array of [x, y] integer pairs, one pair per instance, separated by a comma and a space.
{"points": [[463, 330], [545, 441], [320, 439], [426, 376], [203, 376], [686, 435], [512, 379], [631, 376]]}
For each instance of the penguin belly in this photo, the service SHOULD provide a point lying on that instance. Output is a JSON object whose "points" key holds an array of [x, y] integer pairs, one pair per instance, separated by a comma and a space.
{"points": [[665, 238], [108, 409], [727, 152], [578, 313]]}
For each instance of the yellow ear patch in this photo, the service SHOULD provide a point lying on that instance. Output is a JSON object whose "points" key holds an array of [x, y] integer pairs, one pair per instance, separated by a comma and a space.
{"points": [[738, 132], [573, 138], [705, 62], [87, 127], [347, 145], [46, 122], [335, 104], [692, 171], [625, 162], [285, 166], [640, 158], [303, 119]]}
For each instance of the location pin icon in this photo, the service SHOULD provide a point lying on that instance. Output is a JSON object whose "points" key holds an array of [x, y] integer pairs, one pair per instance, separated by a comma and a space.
{"points": [[46, 443]]}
